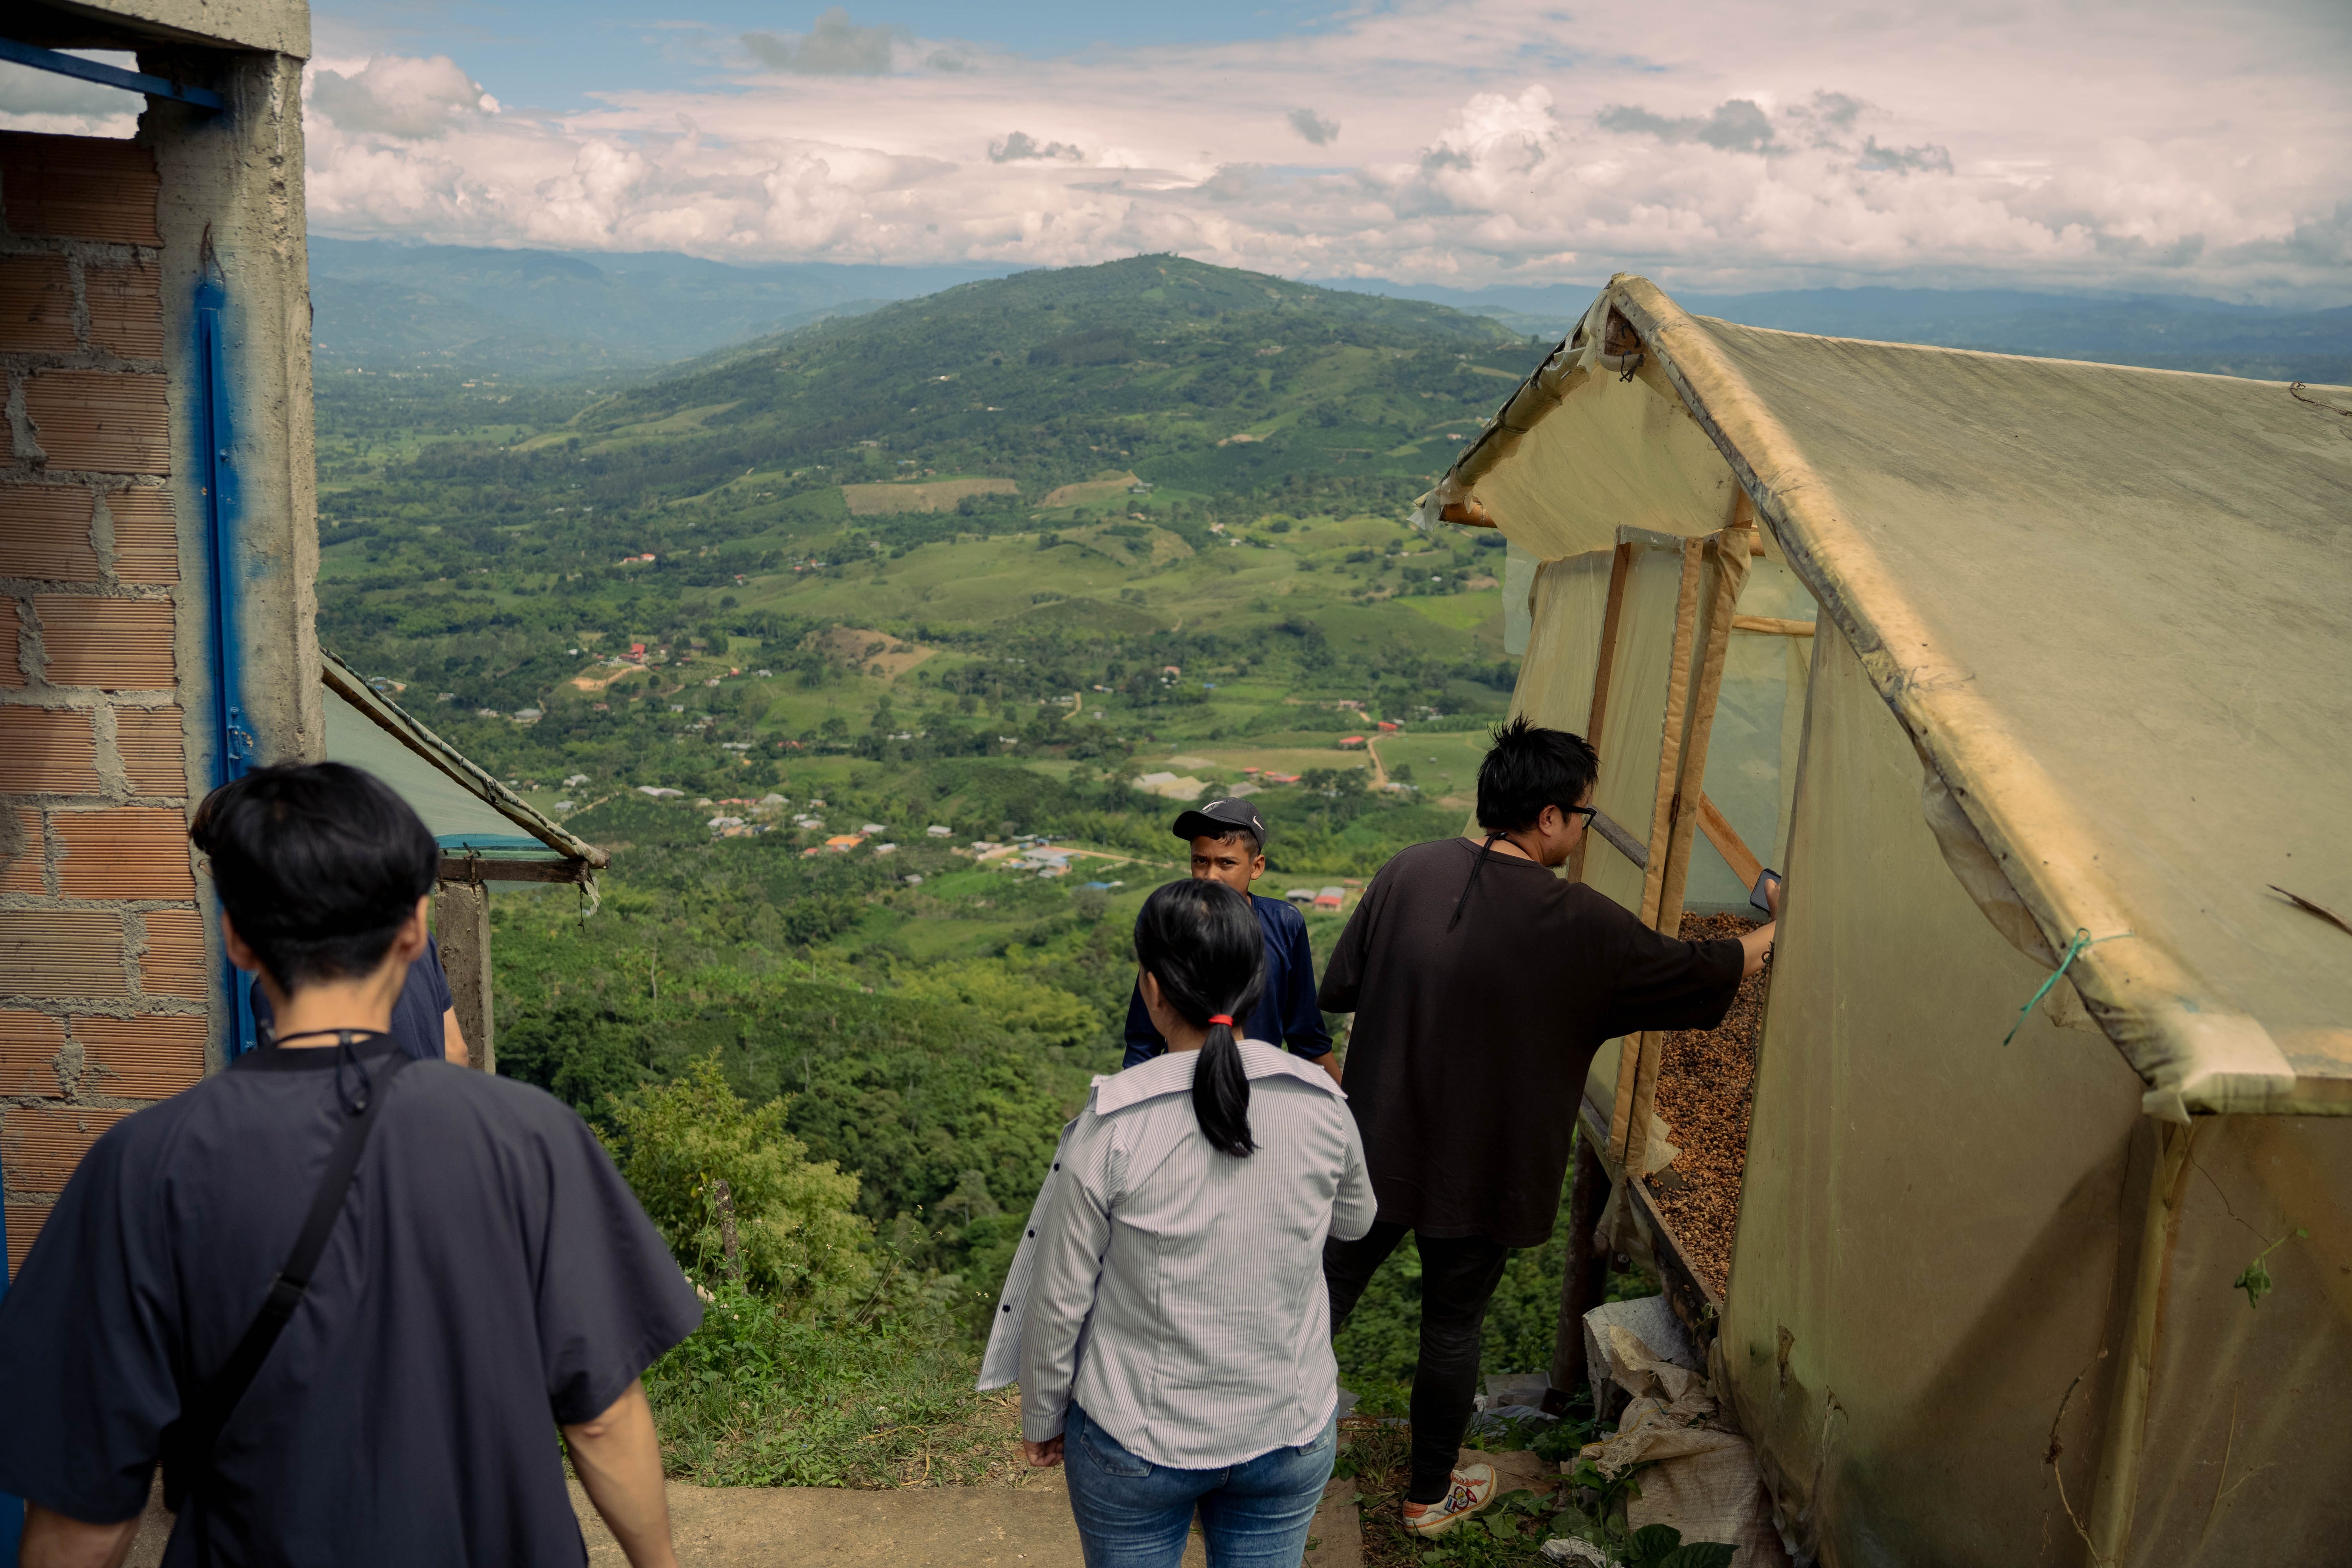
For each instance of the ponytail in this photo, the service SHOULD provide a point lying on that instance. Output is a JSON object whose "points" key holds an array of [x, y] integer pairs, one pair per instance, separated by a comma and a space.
{"points": [[1201, 941]]}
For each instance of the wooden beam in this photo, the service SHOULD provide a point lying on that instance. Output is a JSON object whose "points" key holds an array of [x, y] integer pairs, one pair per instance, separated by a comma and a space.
{"points": [[1471, 513], [1727, 843], [1625, 843], [471, 869], [1620, 567], [1586, 1278], [1682, 672], [1772, 624]]}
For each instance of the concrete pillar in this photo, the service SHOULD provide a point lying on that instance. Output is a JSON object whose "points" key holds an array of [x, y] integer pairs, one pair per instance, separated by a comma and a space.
{"points": [[461, 920], [231, 216]]}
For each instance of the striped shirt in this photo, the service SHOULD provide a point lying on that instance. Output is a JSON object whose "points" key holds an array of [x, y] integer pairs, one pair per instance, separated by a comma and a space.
{"points": [[1175, 1292]]}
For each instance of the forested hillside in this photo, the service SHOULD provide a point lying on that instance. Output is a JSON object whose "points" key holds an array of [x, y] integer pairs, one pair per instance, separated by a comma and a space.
{"points": [[881, 654]]}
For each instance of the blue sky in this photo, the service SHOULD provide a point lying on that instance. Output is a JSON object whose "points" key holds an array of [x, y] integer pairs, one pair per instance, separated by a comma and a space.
{"points": [[551, 55]]}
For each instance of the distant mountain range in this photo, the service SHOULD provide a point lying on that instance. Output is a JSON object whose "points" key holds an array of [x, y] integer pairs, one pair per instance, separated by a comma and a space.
{"points": [[552, 315], [2167, 332]]}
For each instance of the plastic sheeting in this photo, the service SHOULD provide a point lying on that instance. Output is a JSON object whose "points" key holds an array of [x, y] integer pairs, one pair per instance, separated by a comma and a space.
{"points": [[456, 817], [1751, 762], [1938, 1234], [2081, 662], [2107, 603]]}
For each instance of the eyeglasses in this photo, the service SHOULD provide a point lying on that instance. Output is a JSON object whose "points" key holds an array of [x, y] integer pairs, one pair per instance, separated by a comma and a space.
{"points": [[1586, 812]]}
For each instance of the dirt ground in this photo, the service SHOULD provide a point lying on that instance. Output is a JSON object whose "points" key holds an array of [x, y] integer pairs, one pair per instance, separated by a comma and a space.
{"points": [[1026, 1525]]}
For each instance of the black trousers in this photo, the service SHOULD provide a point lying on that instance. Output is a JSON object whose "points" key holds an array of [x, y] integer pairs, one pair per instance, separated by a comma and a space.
{"points": [[1458, 1275]]}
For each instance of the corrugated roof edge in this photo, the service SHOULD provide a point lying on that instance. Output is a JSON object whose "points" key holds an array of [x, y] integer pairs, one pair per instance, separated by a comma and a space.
{"points": [[462, 770], [2192, 1052]]}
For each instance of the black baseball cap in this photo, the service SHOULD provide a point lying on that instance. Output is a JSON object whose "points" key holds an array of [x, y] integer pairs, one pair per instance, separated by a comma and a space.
{"points": [[1220, 817]]}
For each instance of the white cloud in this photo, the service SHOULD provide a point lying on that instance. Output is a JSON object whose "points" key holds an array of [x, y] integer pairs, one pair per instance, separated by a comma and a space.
{"points": [[59, 105], [1711, 145], [400, 97]]}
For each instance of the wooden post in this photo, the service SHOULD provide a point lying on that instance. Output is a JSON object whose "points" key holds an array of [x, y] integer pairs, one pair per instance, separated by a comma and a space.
{"points": [[1586, 1278], [1621, 566], [461, 920]]}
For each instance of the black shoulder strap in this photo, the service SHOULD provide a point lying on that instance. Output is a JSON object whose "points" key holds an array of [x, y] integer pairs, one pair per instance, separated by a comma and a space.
{"points": [[188, 1443]]}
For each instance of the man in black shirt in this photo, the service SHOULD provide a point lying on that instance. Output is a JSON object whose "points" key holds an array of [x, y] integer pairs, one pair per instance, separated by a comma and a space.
{"points": [[1481, 984], [487, 1274]]}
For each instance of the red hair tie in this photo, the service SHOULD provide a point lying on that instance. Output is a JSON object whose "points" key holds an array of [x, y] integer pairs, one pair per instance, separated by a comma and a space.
{"points": [[1224, 1019]]}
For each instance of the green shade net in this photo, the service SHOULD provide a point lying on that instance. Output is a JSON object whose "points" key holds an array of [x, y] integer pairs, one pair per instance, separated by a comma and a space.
{"points": [[462, 822]]}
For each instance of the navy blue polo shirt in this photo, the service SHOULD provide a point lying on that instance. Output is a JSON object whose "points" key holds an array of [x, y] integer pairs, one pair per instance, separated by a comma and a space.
{"points": [[416, 1016], [1286, 1013]]}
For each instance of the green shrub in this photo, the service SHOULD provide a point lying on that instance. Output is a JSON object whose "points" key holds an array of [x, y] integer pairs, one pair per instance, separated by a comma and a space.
{"points": [[801, 1244], [760, 1396]]}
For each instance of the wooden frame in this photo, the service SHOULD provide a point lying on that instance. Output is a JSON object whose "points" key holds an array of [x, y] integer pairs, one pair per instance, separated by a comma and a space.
{"points": [[1621, 566], [475, 868]]}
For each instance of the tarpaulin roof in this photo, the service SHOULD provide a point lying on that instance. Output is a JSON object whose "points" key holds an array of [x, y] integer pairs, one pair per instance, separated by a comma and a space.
{"points": [[469, 811], [2109, 605]]}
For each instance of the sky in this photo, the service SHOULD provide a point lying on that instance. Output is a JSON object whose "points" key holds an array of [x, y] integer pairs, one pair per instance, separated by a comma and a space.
{"points": [[2162, 147]]}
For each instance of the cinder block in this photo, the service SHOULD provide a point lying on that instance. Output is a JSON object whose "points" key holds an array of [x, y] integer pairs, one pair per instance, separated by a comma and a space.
{"points": [[24, 1225], [154, 753], [130, 852], [41, 1144], [26, 856], [62, 953], [119, 645], [173, 965], [78, 187], [146, 537], [146, 1058], [37, 306], [45, 534], [12, 663], [126, 310], [29, 1043], [48, 751], [110, 421]]}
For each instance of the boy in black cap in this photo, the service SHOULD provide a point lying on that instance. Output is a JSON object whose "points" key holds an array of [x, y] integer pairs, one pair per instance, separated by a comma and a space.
{"points": [[1228, 839]]}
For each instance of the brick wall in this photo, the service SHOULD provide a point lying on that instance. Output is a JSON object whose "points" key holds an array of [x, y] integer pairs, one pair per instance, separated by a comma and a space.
{"points": [[102, 970]]}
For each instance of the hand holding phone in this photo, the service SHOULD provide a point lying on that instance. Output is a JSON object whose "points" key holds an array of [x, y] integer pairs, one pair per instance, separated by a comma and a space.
{"points": [[1766, 895]]}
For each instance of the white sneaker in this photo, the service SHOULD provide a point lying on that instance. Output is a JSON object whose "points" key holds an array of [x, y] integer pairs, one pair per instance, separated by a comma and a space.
{"points": [[1471, 1488]]}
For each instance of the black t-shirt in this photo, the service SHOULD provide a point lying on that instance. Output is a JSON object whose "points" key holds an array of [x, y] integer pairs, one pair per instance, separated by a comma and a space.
{"points": [[1470, 1047], [490, 1277]]}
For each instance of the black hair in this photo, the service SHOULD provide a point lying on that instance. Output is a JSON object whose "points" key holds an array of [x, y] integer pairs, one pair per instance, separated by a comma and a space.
{"points": [[1529, 768], [1201, 942], [318, 864], [1247, 835]]}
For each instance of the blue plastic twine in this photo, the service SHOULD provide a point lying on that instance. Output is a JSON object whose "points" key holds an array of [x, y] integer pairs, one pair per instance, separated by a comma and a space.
{"points": [[2083, 938]]}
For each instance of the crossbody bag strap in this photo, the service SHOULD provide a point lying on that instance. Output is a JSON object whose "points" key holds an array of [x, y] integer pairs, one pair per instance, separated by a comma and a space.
{"points": [[188, 1446]]}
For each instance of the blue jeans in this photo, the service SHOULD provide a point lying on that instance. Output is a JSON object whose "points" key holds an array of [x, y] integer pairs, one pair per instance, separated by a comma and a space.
{"points": [[1132, 1513]]}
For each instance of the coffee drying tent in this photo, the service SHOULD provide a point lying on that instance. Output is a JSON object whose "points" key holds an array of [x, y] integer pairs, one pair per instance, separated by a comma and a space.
{"points": [[2004, 661]]}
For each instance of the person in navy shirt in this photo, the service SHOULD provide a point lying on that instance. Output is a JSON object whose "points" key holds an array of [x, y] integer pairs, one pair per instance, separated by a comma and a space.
{"points": [[1228, 840]]}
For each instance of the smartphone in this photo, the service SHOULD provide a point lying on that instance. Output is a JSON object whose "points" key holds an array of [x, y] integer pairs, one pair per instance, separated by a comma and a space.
{"points": [[1765, 880]]}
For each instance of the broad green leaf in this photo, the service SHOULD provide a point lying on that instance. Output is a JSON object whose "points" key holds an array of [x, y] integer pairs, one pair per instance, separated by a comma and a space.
{"points": [[1651, 1544], [1699, 1555]]}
